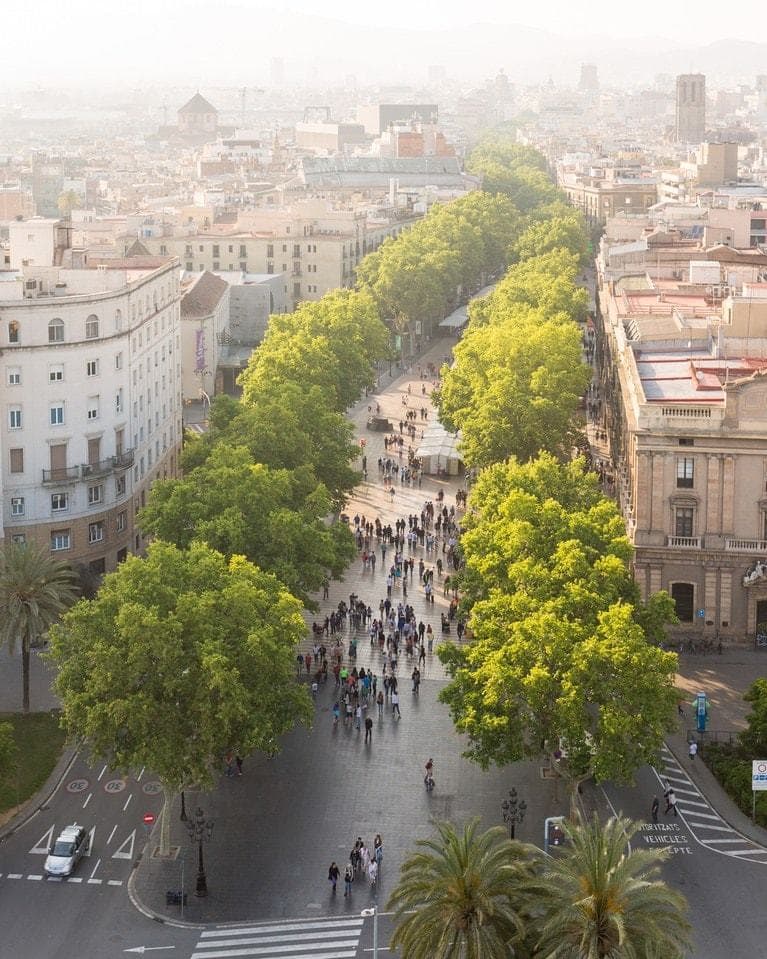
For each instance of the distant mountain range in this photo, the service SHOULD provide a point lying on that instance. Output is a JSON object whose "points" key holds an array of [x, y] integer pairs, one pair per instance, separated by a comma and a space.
{"points": [[220, 42]]}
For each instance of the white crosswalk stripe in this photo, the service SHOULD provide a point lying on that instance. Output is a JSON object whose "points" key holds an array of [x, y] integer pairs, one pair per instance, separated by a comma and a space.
{"points": [[701, 818], [328, 938]]}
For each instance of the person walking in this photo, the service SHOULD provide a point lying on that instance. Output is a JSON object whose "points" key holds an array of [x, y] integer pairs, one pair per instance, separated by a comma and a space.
{"points": [[378, 848], [373, 873], [238, 761], [348, 879], [693, 750], [670, 796], [395, 704], [333, 873], [336, 712], [380, 702], [368, 730], [358, 717], [654, 808]]}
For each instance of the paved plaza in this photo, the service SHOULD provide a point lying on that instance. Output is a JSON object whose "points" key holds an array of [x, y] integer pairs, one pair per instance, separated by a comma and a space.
{"points": [[278, 827]]}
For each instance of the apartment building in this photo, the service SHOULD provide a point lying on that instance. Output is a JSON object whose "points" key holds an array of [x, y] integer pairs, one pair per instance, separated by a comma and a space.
{"points": [[684, 379], [605, 192], [315, 248], [91, 403]]}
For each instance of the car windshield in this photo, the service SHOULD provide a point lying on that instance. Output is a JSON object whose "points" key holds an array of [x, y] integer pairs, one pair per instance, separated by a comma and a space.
{"points": [[63, 848]]}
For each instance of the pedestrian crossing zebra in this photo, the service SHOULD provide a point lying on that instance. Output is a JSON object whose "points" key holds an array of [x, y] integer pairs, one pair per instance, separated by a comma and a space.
{"points": [[703, 821], [326, 938]]}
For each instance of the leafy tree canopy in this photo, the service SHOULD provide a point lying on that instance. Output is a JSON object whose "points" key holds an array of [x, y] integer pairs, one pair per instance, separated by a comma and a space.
{"points": [[545, 282], [182, 656], [514, 387], [275, 517], [330, 344], [562, 232], [558, 654], [286, 430]]}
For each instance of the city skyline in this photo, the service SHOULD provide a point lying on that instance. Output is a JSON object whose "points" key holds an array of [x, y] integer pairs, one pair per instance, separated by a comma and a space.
{"points": [[118, 46]]}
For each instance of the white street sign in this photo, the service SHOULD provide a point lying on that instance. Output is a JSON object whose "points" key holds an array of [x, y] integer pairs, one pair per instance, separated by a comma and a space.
{"points": [[759, 775]]}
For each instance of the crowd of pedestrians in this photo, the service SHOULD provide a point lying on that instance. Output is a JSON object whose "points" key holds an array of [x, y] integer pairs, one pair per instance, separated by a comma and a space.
{"points": [[364, 863]]}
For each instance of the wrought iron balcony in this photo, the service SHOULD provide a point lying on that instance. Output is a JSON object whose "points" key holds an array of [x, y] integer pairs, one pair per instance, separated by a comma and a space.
{"points": [[71, 474]]}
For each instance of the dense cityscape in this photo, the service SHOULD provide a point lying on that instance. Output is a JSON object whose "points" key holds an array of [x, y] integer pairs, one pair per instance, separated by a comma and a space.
{"points": [[383, 452]]}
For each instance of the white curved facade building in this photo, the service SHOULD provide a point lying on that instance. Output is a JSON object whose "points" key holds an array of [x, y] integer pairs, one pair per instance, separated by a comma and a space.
{"points": [[91, 403]]}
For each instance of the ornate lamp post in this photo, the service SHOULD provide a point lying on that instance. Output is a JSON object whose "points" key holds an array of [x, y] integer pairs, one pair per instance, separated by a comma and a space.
{"points": [[200, 831], [513, 810]]}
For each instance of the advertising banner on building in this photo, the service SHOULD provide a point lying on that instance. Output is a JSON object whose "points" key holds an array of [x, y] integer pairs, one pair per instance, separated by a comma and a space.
{"points": [[200, 351]]}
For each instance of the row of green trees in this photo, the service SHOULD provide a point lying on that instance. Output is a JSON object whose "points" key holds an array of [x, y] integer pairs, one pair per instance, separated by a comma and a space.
{"points": [[422, 274], [480, 895], [560, 661]]}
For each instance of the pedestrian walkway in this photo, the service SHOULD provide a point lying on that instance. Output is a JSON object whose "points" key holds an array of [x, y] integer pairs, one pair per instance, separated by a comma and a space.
{"points": [[301, 939], [706, 825]]}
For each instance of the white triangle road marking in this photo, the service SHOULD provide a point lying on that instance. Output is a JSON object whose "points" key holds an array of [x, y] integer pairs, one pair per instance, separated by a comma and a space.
{"points": [[43, 844], [120, 854]]}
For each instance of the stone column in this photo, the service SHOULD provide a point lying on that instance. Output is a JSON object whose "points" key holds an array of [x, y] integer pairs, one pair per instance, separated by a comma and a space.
{"points": [[658, 521], [728, 502], [713, 496]]}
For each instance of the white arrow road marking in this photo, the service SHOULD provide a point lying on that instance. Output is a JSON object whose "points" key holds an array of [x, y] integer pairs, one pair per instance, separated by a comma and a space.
{"points": [[119, 854], [91, 836], [142, 949], [43, 844]]}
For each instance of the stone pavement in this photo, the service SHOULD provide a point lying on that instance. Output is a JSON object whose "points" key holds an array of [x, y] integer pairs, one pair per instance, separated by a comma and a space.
{"points": [[724, 679], [278, 827]]}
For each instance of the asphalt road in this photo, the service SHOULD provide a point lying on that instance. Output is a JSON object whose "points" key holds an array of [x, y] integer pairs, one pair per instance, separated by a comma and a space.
{"points": [[89, 915], [722, 875]]}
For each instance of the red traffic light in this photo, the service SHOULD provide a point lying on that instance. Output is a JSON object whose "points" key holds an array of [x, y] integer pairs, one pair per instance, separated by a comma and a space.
{"points": [[149, 818]]}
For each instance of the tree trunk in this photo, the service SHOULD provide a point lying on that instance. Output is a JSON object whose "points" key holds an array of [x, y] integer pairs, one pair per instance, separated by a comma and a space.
{"points": [[165, 821], [25, 653]]}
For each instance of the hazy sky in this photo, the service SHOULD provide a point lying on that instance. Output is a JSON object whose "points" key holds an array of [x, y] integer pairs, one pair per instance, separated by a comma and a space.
{"points": [[703, 21], [197, 40]]}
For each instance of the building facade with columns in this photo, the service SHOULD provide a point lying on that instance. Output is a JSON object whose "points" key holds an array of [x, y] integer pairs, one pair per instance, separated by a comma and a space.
{"points": [[684, 385]]}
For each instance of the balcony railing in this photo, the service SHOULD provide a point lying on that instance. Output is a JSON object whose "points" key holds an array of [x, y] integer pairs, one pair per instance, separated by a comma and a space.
{"points": [[746, 545], [71, 474], [683, 542], [63, 474]]}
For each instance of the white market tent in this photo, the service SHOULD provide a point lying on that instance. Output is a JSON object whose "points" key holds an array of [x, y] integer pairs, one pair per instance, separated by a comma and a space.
{"points": [[438, 451], [460, 317]]}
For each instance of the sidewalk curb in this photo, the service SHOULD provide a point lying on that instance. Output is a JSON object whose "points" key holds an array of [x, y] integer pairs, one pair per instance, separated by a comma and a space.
{"points": [[43, 795], [139, 905], [715, 794]]}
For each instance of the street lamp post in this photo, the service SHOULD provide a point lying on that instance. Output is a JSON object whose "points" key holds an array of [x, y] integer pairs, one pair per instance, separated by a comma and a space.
{"points": [[183, 816], [200, 831], [513, 810], [373, 911]]}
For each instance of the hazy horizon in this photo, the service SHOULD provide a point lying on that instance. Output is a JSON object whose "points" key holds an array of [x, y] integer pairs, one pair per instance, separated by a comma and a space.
{"points": [[205, 43]]}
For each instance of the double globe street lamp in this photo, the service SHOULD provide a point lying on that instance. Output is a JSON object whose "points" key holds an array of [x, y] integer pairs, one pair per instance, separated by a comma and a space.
{"points": [[514, 810], [200, 831]]}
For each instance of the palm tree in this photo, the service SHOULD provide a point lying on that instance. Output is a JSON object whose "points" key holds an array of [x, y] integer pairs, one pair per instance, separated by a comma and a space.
{"points": [[34, 590], [457, 898], [600, 899]]}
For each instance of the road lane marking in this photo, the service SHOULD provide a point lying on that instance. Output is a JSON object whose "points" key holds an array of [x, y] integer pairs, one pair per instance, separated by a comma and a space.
{"points": [[119, 853], [35, 878], [138, 778], [114, 830], [114, 882], [14, 875], [94, 882], [98, 863], [101, 773], [43, 844], [74, 879], [87, 800], [127, 801]]}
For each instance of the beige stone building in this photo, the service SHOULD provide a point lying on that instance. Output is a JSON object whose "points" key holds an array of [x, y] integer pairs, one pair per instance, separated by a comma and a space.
{"points": [[315, 247], [684, 381]]}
